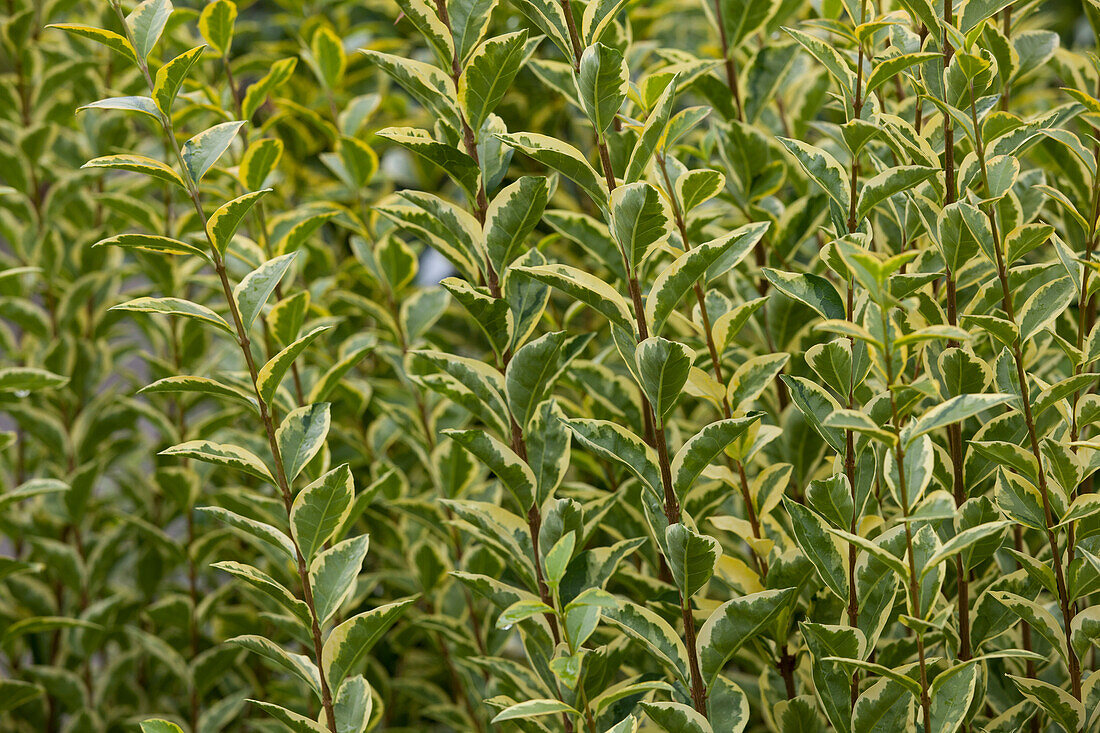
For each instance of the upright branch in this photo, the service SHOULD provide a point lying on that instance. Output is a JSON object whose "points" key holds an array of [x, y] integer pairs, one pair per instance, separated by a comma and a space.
{"points": [[1064, 602], [849, 435], [469, 141], [954, 431], [265, 416]]}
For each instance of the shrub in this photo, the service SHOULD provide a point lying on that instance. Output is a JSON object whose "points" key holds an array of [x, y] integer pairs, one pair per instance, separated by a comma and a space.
{"points": [[549, 366]]}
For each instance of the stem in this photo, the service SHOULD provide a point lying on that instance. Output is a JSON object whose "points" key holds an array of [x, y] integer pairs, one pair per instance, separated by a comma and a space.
{"points": [[849, 436], [899, 456], [1033, 436], [731, 69], [954, 431]]}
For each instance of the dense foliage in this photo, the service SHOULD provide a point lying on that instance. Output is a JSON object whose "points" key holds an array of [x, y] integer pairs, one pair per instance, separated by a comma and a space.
{"points": [[549, 365]]}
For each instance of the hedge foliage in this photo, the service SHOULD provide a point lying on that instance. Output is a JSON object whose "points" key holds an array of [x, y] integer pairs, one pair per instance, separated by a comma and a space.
{"points": [[549, 365]]}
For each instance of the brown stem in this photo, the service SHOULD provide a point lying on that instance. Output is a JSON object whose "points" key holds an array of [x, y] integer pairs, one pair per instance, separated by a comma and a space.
{"points": [[849, 436]]}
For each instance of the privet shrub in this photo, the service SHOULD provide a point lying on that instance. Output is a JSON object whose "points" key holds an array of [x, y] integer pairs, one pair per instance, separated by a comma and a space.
{"points": [[545, 365]]}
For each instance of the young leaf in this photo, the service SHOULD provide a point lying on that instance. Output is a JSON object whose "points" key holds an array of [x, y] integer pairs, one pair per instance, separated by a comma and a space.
{"points": [[602, 84], [319, 509], [301, 435]]}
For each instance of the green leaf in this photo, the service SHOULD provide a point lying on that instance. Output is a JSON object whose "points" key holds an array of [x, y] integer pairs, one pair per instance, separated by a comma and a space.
{"points": [[963, 540], [753, 377], [823, 168], [216, 25], [146, 22], [952, 693], [435, 32], [698, 186], [952, 411], [301, 435], [550, 19], [816, 405], [692, 557], [257, 93], [598, 15], [457, 164], [222, 454], [152, 243], [223, 223], [175, 307], [155, 725], [521, 611], [110, 39], [888, 68], [663, 367], [268, 586], [488, 74], [256, 287], [29, 379], [602, 84], [735, 623], [830, 59], [620, 445], [320, 508], [962, 229], [200, 385], [469, 20], [557, 560], [1085, 630], [260, 530], [292, 720], [1044, 306], [258, 161], [171, 76], [811, 532], [349, 643], [353, 706], [512, 216], [1036, 616], [586, 288], [1058, 703], [654, 635], [144, 105], [812, 290], [743, 18], [512, 471], [138, 164], [889, 182], [329, 58], [697, 266], [333, 572], [533, 709], [703, 447], [640, 220], [427, 84], [532, 371], [652, 132], [202, 151], [563, 158], [884, 707], [675, 717], [271, 374]]}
